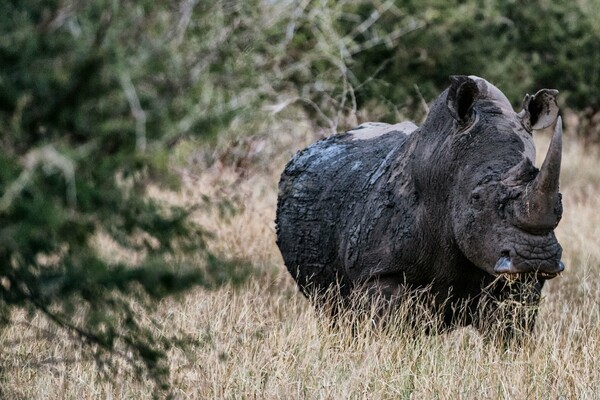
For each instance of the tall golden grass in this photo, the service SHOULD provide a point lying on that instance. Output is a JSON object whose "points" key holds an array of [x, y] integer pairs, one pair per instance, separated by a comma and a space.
{"points": [[265, 341]]}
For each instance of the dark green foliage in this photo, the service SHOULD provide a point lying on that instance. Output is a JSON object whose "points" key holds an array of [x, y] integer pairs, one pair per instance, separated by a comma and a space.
{"points": [[402, 52], [561, 42], [92, 94]]}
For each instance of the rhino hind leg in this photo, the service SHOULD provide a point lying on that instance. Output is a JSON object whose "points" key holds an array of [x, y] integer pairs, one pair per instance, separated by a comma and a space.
{"points": [[320, 282]]}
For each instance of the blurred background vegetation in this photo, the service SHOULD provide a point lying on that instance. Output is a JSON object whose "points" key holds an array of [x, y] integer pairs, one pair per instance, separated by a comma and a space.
{"points": [[101, 100]]}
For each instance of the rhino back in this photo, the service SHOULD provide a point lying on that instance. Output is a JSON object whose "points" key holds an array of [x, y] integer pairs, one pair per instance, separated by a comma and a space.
{"points": [[344, 208]]}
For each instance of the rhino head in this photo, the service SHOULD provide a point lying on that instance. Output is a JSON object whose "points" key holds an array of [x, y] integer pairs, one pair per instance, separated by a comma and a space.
{"points": [[503, 210]]}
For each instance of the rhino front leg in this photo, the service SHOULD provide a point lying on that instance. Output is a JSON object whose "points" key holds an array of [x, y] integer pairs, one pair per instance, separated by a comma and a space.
{"points": [[508, 318], [390, 303]]}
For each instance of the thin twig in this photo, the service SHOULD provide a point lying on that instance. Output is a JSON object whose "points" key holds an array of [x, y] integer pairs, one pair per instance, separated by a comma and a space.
{"points": [[136, 110], [423, 102]]}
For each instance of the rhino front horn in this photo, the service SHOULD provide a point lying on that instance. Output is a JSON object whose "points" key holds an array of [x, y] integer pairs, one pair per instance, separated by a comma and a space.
{"points": [[541, 207], [547, 179]]}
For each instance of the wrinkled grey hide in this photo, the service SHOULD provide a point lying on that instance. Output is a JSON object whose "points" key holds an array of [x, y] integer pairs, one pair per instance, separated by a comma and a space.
{"points": [[454, 207]]}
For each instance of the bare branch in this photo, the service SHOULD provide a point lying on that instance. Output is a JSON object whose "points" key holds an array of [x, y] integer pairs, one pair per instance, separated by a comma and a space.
{"points": [[137, 111], [49, 158]]}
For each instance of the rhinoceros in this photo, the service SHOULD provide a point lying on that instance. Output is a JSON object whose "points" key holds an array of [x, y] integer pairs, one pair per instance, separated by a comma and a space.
{"points": [[455, 207]]}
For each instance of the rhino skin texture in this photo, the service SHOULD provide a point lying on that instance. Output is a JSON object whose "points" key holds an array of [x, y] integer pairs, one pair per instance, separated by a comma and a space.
{"points": [[452, 208]]}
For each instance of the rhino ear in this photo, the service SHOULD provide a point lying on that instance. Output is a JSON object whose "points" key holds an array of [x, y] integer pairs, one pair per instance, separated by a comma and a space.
{"points": [[462, 95], [540, 110]]}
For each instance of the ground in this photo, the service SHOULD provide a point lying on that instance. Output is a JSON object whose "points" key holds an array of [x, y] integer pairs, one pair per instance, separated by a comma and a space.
{"points": [[264, 340]]}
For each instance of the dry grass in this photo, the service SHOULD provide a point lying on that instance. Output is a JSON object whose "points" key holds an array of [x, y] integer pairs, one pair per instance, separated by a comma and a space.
{"points": [[265, 341]]}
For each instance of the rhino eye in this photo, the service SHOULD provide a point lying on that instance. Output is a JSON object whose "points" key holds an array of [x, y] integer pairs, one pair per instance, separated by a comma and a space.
{"points": [[476, 193], [476, 199]]}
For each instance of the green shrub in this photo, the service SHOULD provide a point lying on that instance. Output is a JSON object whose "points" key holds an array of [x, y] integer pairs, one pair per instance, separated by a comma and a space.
{"points": [[92, 96], [399, 53]]}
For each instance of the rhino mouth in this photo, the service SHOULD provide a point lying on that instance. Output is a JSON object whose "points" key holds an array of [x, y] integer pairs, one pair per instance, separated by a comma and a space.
{"points": [[545, 270]]}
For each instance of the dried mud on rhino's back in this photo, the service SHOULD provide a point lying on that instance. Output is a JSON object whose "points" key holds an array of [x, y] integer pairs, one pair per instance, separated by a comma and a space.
{"points": [[340, 184]]}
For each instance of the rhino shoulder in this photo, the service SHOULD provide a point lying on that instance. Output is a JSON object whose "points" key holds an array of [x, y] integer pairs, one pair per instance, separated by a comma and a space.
{"points": [[371, 130]]}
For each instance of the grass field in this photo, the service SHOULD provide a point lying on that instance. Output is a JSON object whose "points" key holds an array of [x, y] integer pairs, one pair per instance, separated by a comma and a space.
{"points": [[263, 340]]}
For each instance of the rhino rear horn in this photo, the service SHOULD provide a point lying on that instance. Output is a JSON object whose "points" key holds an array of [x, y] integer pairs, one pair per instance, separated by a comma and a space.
{"points": [[540, 110], [462, 95]]}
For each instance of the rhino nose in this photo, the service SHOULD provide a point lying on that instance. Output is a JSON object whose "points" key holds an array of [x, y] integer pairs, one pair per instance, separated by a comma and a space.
{"points": [[548, 269]]}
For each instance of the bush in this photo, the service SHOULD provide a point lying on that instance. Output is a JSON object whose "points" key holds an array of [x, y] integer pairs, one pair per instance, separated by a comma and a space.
{"points": [[401, 53], [93, 94]]}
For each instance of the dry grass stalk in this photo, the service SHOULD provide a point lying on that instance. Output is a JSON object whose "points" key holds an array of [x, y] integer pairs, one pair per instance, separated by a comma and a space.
{"points": [[266, 341]]}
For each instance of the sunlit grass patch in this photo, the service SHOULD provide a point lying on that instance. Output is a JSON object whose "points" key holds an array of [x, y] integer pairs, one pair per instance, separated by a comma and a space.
{"points": [[263, 339]]}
